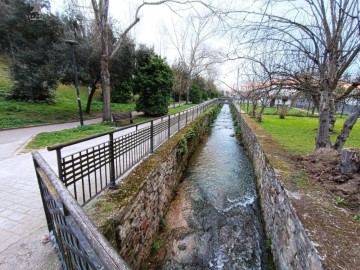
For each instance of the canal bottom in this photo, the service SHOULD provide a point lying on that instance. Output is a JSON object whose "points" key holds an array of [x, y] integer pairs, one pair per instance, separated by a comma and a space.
{"points": [[214, 221]]}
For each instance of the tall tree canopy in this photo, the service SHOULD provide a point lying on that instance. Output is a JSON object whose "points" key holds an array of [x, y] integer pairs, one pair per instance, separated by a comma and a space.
{"points": [[33, 47], [154, 82], [320, 38]]}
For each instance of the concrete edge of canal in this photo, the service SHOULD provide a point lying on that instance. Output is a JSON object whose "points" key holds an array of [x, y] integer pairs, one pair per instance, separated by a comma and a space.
{"points": [[290, 244], [129, 217]]}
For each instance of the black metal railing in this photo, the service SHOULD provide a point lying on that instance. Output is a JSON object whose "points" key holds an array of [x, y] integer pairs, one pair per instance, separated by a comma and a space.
{"points": [[76, 239], [86, 173]]}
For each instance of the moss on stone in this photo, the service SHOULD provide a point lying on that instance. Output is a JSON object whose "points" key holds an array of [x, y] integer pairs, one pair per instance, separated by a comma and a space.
{"points": [[132, 184], [108, 229], [276, 155]]}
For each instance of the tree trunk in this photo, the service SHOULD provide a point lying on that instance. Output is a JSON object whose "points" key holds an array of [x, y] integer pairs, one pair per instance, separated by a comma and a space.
{"points": [[293, 102], [347, 127], [316, 104], [283, 111], [260, 114], [254, 107], [350, 161], [91, 95], [272, 103], [105, 85], [187, 94], [332, 115], [101, 16], [313, 111], [323, 139]]}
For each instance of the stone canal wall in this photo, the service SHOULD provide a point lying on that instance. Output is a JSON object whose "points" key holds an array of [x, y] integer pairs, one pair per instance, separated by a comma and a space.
{"points": [[291, 247], [130, 216]]}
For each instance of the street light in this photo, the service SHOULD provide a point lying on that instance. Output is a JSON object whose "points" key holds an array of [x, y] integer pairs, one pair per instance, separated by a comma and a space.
{"points": [[72, 44]]}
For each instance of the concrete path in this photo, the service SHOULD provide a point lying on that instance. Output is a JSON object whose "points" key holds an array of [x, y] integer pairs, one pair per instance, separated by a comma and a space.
{"points": [[22, 219], [12, 140]]}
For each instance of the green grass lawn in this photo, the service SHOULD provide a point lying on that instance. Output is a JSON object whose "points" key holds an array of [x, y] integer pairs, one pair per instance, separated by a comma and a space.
{"points": [[45, 139], [297, 134], [274, 110], [180, 108], [14, 114], [21, 114], [170, 112]]}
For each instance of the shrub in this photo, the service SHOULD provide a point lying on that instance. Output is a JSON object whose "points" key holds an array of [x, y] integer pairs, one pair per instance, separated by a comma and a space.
{"points": [[195, 94], [154, 83]]}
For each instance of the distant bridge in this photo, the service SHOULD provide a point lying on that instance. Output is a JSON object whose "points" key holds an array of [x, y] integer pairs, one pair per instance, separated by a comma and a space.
{"points": [[223, 100]]}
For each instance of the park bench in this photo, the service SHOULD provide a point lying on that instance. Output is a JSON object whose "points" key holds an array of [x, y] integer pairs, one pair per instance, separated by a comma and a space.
{"points": [[122, 117]]}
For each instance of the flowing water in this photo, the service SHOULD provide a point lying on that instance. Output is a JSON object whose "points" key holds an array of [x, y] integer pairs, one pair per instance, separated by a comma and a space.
{"points": [[214, 221]]}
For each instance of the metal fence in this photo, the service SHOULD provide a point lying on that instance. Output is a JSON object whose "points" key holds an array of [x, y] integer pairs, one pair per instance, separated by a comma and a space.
{"points": [[86, 173], [76, 240]]}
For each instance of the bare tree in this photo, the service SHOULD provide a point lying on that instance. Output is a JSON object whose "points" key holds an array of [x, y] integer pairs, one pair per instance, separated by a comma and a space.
{"points": [[181, 81], [261, 86], [351, 121], [325, 35], [192, 48], [101, 12]]}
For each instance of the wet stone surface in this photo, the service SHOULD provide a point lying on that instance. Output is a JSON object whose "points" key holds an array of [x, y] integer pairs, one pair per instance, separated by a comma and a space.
{"points": [[214, 222]]}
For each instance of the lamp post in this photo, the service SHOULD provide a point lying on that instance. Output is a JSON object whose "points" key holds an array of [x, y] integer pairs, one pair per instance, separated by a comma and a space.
{"points": [[72, 44]]}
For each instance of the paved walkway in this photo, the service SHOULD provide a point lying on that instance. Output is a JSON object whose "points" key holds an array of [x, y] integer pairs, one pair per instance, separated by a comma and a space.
{"points": [[22, 219]]}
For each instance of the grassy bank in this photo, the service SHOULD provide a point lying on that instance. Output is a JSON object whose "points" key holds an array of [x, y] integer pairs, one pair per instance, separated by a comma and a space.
{"points": [[297, 134], [14, 114], [274, 111], [45, 139], [21, 114], [298, 131]]}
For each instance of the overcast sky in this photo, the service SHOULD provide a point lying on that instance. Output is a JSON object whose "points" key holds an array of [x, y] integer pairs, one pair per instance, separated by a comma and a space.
{"points": [[154, 23]]}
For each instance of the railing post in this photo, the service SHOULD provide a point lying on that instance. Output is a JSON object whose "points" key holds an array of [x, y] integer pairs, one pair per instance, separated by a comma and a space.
{"points": [[179, 118], [169, 126], [112, 184], [152, 136], [46, 209], [186, 118], [58, 157]]}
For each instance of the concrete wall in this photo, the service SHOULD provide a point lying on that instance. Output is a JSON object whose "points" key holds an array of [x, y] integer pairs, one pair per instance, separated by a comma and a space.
{"points": [[291, 247], [129, 217]]}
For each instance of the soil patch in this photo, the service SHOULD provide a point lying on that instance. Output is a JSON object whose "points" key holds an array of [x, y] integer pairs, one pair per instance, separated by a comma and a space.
{"points": [[322, 168], [327, 203]]}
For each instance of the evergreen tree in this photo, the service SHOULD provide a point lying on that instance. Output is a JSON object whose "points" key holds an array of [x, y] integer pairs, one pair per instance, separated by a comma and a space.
{"points": [[122, 68], [195, 94], [154, 82], [33, 47]]}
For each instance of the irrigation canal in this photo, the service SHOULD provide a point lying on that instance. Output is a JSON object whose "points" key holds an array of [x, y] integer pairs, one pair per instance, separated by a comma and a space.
{"points": [[214, 221]]}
